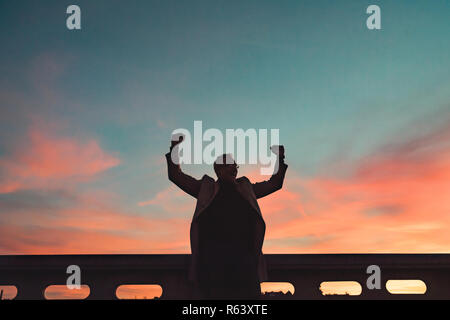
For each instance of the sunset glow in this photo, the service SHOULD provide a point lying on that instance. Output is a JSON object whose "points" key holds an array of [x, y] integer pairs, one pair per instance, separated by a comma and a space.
{"points": [[88, 115]]}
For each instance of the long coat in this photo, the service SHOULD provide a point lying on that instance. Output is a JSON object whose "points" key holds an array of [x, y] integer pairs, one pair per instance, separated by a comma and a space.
{"points": [[205, 190]]}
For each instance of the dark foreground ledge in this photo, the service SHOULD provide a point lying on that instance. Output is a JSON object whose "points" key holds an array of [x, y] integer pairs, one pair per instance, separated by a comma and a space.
{"points": [[31, 274]]}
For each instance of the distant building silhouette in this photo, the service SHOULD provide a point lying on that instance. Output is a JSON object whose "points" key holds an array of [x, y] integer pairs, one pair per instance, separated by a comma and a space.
{"points": [[277, 295]]}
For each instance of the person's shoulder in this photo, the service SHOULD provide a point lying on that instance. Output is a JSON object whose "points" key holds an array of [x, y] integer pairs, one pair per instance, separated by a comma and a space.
{"points": [[243, 179], [207, 178]]}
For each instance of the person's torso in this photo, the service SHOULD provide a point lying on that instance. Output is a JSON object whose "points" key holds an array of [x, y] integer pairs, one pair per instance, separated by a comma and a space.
{"points": [[227, 227]]}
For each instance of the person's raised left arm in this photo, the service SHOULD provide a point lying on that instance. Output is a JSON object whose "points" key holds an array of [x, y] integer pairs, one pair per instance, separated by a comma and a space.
{"points": [[275, 182]]}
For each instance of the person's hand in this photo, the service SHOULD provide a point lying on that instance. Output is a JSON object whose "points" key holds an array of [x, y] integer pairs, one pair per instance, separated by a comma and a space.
{"points": [[278, 150], [175, 141]]}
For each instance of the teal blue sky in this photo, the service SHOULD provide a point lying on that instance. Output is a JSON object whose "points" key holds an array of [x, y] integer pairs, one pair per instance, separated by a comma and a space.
{"points": [[139, 69]]}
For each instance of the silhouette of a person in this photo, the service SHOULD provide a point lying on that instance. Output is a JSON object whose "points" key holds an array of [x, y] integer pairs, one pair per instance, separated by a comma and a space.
{"points": [[227, 230]]}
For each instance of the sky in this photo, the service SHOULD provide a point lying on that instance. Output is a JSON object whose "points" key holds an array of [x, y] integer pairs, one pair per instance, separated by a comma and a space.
{"points": [[87, 116]]}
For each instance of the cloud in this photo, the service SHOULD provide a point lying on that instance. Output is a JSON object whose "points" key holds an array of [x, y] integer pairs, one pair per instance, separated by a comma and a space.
{"points": [[393, 200], [15, 239], [84, 223], [383, 209], [44, 159], [173, 202]]}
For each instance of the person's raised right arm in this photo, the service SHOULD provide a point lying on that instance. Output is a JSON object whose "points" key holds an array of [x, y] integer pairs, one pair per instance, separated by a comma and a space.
{"points": [[185, 182]]}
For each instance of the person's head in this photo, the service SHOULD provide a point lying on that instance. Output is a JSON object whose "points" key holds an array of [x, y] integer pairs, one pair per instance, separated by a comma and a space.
{"points": [[226, 168]]}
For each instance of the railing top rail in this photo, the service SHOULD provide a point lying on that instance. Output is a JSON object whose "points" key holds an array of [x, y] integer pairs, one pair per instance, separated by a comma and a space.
{"points": [[179, 261]]}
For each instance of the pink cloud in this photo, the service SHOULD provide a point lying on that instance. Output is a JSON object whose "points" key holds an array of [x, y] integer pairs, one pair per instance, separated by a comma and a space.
{"points": [[396, 200], [44, 159], [16, 239], [94, 223], [92, 230], [172, 200]]}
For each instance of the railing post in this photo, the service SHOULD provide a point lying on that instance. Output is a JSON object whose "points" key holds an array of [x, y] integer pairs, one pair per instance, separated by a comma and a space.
{"points": [[30, 290], [100, 290]]}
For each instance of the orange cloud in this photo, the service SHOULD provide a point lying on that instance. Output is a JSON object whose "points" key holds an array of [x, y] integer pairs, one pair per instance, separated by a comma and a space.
{"points": [[92, 223], [45, 159], [155, 236], [396, 200], [172, 200]]}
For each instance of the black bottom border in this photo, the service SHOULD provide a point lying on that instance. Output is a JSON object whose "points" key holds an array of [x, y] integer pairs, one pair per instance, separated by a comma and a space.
{"points": [[258, 309]]}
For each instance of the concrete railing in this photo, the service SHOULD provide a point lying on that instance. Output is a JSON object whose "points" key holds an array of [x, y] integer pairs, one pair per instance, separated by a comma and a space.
{"points": [[32, 274]]}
